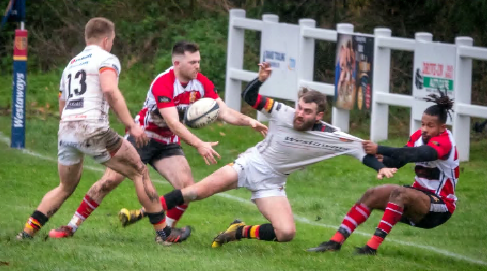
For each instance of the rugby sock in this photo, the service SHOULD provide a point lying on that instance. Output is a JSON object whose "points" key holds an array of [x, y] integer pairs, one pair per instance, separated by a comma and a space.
{"points": [[392, 215], [357, 215], [35, 223], [173, 215], [172, 199], [164, 233], [87, 206], [158, 221], [261, 232]]}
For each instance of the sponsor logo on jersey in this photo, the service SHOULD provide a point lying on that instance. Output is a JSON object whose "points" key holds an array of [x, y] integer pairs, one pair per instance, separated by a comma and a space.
{"points": [[81, 58], [278, 106], [163, 99], [75, 103], [312, 143], [192, 97], [435, 143], [435, 198]]}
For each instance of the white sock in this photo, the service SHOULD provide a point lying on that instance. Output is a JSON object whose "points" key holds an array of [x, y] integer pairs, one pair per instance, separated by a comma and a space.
{"points": [[170, 221], [75, 223]]}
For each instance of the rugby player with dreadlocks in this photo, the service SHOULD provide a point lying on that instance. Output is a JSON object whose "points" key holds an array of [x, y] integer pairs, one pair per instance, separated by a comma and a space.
{"points": [[429, 202]]}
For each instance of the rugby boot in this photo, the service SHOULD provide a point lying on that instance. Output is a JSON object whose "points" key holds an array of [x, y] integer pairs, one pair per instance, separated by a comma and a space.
{"points": [[129, 217], [365, 250], [229, 235], [23, 235], [177, 235], [329, 245], [61, 232]]}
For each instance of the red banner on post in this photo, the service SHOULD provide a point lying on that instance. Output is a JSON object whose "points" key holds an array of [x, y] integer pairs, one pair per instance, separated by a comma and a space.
{"points": [[20, 45]]}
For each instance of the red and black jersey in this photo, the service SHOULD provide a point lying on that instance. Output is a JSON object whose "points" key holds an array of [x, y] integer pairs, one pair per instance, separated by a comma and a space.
{"points": [[439, 176], [167, 91]]}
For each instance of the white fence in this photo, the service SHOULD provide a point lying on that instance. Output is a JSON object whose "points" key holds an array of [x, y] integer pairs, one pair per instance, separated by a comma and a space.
{"points": [[382, 97]]}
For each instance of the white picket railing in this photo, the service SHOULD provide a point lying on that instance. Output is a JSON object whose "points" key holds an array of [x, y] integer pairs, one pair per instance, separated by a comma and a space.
{"points": [[382, 98]]}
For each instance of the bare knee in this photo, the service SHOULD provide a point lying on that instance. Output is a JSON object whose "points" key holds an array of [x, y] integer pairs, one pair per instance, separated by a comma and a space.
{"points": [[183, 182], [285, 234], [66, 190]]}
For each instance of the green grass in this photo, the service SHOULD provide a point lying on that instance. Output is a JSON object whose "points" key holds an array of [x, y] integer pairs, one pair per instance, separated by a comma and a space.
{"points": [[320, 196]]}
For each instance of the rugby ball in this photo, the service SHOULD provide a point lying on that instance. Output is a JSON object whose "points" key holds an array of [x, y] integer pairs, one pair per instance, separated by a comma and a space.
{"points": [[201, 113]]}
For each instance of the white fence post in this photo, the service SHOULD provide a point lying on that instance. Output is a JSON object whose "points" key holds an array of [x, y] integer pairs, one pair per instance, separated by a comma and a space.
{"points": [[305, 65], [341, 117], [463, 95], [380, 82], [266, 18], [414, 124], [235, 54]]}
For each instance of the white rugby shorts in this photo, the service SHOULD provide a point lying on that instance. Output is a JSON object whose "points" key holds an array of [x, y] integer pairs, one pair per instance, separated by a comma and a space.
{"points": [[76, 138], [258, 176]]}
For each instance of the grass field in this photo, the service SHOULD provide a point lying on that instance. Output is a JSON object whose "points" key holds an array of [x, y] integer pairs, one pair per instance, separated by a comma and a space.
{"points": [[320, 196]]}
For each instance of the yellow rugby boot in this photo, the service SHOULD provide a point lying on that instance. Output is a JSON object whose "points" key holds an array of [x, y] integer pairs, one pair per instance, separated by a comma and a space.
{"points": [[129, 217], [228, 235]]}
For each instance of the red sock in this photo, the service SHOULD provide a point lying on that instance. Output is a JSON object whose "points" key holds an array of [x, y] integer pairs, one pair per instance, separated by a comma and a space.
{"points": [[87, 206], [392, 215], [357, 215], [163, 203], [173, 215]]}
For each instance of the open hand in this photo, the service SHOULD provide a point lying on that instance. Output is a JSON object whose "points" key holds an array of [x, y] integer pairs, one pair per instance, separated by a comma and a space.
{"points": [[386, 172], [265, 71]]}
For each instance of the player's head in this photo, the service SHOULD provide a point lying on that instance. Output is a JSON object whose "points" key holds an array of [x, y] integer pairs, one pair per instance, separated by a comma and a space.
{"points": [[309, 110], [186, 59], [434, 117], [100, 31]]}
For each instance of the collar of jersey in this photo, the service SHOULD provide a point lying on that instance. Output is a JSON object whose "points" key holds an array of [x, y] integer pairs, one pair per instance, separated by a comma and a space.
{"points": [[93, 46]]}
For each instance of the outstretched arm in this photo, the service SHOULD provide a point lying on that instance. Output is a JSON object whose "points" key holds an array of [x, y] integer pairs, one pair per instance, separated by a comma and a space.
{"points": [[234, 117], [403, 155], [382, 171], [251, 93]]}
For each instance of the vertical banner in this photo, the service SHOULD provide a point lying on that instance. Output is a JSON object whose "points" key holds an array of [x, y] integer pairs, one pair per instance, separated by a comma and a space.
{"points": [[19, 90], [353, 72], [280, 47], [434, 68]]}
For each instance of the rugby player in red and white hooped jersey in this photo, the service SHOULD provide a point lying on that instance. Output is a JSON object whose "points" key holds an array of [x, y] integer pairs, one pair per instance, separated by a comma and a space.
{"points": [[169, 96], [429, 202]]}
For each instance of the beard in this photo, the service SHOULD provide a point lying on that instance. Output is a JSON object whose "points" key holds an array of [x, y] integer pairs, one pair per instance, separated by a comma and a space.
{"points": [[303, 125]]}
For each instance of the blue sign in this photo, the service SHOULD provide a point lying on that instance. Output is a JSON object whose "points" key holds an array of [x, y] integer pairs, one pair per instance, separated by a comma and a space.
{"points": [[18, 104]]}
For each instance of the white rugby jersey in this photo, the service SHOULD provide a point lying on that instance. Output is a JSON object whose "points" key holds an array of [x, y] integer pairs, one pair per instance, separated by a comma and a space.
{"points": [[288, 150], [80, 85], [444, 172], [167, 91]]}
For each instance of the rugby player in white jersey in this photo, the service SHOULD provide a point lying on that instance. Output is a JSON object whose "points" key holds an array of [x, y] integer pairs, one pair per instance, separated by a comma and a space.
{"points": [[296, 139], [89, 87], [429, 202], [168, 97]]}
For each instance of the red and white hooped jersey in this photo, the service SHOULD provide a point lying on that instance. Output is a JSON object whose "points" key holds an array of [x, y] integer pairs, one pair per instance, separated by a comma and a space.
{"points": [[167, 91], [448, 165]]}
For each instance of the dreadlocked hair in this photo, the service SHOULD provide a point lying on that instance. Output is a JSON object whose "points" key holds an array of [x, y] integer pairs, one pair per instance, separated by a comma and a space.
{"points": [[443, 105]]}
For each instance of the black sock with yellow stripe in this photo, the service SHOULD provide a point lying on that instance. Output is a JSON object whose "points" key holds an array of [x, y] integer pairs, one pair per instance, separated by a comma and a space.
{"points": [[35, 223], [261, 232]]}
